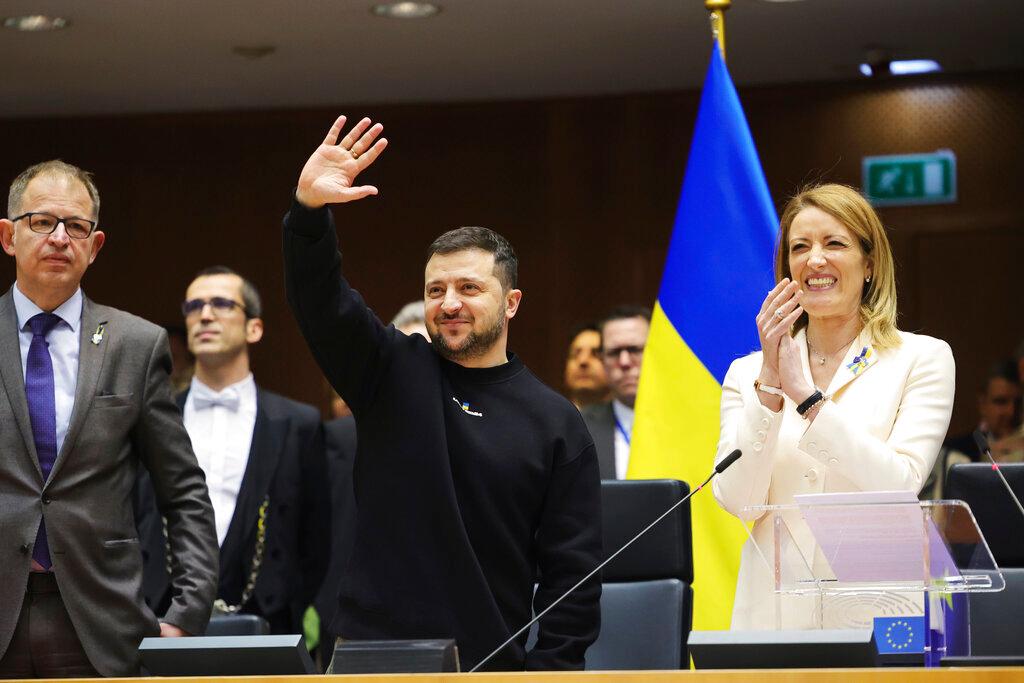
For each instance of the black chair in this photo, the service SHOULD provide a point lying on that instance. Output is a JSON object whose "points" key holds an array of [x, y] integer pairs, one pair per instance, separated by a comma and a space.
{"points": [[238, 625], [647, 601], [997, 515], [996, 626]]}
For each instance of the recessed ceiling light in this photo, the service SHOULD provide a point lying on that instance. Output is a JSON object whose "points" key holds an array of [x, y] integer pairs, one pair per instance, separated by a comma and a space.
{"points": [[904, 67], [901, 67], [35, 22], [406, 10]]}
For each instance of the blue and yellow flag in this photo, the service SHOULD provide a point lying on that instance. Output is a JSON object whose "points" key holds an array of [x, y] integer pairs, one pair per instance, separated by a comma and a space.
{"points": [[718, 271]]}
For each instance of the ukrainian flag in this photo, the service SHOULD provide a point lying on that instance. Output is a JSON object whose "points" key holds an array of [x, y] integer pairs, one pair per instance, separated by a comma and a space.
{"points": [[718, 271]]}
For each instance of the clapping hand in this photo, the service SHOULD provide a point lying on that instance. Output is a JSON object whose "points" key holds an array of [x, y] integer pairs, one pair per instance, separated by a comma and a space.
{"points": [[780, 309], [330, 172]]}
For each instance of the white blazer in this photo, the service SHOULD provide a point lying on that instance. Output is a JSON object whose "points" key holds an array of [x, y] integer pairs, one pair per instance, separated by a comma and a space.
{"points": [[880, 430]]}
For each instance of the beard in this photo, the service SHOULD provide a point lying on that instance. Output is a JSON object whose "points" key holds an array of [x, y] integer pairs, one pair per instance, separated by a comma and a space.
{"points": [[475, 345]]}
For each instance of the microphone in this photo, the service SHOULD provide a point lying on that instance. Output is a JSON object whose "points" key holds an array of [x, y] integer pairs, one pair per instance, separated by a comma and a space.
{"points": [[982, 443], [719, 468], [724, 465]]}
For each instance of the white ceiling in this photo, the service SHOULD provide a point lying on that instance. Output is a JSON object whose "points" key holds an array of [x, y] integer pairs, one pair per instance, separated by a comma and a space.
{"points": [[122, 56]]}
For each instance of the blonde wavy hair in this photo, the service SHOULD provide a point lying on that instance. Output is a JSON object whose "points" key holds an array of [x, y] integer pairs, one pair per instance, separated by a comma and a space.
{"points": [[846, 205]]}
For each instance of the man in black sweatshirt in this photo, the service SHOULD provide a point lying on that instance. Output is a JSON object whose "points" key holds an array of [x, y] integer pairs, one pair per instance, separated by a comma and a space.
{"points": [[473, 480]]}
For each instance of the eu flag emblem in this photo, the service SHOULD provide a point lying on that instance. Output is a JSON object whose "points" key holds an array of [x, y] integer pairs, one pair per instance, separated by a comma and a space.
{"points": [[899, 635]]}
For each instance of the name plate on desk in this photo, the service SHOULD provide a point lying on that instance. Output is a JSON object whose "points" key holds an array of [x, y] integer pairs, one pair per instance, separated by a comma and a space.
{"points": [[823, 648], [226, 656], [394, 656]]}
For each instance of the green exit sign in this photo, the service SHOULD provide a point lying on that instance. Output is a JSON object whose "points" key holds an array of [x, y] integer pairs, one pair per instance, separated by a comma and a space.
{"points": [[905, 179]]}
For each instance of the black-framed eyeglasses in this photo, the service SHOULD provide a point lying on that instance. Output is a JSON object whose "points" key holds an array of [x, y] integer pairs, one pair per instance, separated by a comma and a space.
{"points": [[635, 353], [46, 223], [218, 303]]}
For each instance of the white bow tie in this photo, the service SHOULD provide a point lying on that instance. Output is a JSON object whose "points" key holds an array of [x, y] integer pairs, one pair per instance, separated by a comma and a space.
{"points": [[203, 397]]}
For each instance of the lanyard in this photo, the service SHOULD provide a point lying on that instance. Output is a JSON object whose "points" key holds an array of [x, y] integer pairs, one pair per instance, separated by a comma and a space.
{"points": [[622, 430]]}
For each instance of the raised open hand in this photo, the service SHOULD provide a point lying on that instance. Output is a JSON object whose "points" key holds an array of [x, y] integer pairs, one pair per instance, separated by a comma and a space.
{"points": [[330, 172]]}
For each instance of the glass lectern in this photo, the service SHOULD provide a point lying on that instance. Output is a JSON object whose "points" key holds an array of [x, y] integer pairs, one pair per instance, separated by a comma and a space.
{"points": [[859, 556]]}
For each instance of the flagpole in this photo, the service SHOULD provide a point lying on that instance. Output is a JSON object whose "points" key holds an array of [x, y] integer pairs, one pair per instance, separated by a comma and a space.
{"points": [[717, 9]]}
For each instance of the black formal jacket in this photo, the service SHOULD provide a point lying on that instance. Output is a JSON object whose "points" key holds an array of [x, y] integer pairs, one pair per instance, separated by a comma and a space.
{"points": [[340, 440], [287, 466], [600, 420]]}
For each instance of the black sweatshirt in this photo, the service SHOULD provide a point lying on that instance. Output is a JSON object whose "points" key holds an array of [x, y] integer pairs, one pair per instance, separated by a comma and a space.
{"points": [[471, 483]]}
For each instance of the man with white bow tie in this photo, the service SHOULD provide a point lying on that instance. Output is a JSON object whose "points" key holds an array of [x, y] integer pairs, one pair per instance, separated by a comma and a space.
{"points": [[263, 456]]}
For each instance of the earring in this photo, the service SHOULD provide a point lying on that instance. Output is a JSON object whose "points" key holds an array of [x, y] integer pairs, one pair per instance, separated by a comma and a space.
{"points": [[868, 279]]}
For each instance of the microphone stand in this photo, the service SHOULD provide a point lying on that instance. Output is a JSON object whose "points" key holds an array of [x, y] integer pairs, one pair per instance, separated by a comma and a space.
{"points": [[719, 468]]}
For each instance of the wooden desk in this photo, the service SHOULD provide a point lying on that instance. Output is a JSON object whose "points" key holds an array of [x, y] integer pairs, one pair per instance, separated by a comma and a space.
{"points": [[889, 675]]}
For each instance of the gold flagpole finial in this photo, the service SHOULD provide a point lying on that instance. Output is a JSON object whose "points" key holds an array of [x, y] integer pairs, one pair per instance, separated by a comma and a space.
{"points": [[717, 9]]}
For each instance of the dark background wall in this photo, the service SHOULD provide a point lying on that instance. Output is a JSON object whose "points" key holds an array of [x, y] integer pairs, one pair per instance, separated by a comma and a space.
{"points": [[584, 188]]}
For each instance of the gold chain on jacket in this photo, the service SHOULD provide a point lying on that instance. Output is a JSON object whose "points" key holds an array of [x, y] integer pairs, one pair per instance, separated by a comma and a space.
{"points": [[219, 605], [222, 607]]}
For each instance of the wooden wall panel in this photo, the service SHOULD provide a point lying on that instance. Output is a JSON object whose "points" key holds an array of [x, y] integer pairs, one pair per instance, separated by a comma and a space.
{"points": [[584, 188]]}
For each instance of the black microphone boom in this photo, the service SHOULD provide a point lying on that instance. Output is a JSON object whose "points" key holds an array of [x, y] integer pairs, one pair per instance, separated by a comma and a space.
{"points": [[726, 461], [982, 443], [719, 468]]}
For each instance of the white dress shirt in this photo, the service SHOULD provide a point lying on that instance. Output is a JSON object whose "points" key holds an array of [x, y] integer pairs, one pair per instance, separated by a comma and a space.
{"points": [[623, 435], [63, 341], [220, 425]]}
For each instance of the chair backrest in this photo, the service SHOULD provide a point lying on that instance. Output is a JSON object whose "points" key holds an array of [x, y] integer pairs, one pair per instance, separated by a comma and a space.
{"points": [[996, 625], [647, 602], [644, 625], [997, 515], [665, 551], [238, 625]]}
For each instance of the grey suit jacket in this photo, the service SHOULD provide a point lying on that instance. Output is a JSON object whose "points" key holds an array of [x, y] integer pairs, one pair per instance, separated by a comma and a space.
{"points": [[123, 416], [600, 421]]}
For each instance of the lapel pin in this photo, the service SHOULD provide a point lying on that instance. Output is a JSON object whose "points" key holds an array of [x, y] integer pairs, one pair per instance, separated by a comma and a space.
{"points": [[97, 336], [860, 361], [466, 409]]}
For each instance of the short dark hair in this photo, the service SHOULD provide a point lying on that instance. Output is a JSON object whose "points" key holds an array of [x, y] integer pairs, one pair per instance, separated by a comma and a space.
{"points": [[1001, 369], [250, 295], [506, 264], [580, 328], [624, 312]]}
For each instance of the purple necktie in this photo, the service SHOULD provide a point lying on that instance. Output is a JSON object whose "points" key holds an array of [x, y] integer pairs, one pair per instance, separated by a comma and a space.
{"points": [[42, 411]]}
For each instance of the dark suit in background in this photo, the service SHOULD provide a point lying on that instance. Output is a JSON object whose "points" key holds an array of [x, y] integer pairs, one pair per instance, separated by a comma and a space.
{"points": [[600, 420], [287, 468], [340, 439], [123, 416]]}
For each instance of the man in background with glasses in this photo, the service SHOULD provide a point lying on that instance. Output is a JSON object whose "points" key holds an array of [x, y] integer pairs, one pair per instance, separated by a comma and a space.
{"points": [[263, 456], [86, 402], [623, 337]]}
